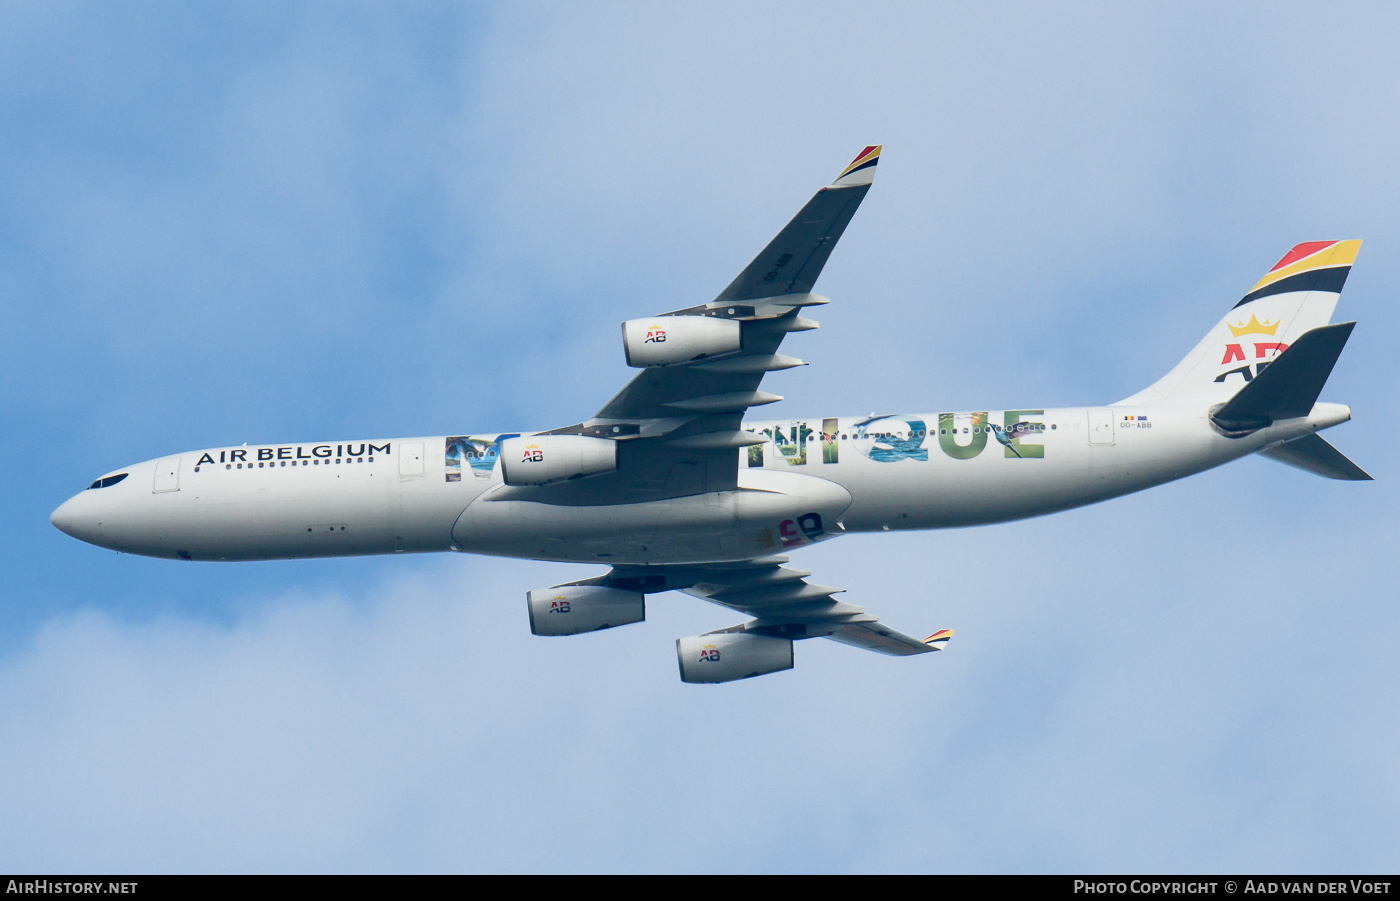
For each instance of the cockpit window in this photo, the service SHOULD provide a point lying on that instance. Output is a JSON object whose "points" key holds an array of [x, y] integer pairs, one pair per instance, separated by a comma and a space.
{"points": [[107, 482]]}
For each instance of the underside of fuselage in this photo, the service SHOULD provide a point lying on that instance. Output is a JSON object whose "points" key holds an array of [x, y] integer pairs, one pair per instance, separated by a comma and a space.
{"points": [[810, 481]]}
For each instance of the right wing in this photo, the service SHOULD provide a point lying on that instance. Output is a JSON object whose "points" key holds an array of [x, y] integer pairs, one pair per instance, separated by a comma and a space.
{"points": [[781, 600]]}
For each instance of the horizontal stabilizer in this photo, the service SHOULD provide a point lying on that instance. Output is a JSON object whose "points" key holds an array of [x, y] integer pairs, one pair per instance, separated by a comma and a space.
{"points": [[1314, 454], [1289, 386]]}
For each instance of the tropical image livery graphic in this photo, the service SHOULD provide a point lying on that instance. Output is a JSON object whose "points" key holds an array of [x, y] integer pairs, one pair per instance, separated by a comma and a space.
{"points": [[890, 439], [480, 455]]}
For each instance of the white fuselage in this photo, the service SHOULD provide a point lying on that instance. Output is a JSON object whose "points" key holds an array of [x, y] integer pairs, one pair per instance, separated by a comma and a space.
{"points": [[814, 479]]}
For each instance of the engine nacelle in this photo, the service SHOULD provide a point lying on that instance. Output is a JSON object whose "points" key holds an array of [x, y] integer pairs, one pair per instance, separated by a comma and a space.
{"points": [[573, 609], [678, 339], [727, 656], [541, 459]]}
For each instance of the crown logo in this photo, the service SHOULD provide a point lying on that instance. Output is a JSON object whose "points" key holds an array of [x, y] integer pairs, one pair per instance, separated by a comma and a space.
{"points": [[1253, 326]]}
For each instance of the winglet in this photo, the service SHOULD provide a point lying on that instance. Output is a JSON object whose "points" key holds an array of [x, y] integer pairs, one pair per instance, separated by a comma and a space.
{"points": [[861, 171], [939, 639]]}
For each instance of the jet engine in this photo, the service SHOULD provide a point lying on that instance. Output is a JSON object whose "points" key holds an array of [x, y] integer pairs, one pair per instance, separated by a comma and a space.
{"points": [[541, 459], [572, 609], [664, 340], [727, 656]]}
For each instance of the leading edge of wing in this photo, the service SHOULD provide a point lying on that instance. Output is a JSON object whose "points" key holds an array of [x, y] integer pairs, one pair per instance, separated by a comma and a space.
{"points": [[793, 260]]}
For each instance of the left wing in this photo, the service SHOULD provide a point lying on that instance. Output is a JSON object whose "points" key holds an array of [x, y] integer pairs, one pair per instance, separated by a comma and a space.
{"points": [[792, 261], [765, 299], [679, 421]]}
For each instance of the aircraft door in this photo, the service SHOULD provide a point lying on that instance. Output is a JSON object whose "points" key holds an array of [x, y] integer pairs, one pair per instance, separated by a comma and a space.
{"points": [[1100, 425], [411, 460], [167, 475]]}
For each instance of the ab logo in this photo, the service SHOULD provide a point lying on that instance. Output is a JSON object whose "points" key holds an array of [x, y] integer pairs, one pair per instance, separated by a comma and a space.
{"points": [[709, 654], [533, 454], [1264, 351], [655, 335]]}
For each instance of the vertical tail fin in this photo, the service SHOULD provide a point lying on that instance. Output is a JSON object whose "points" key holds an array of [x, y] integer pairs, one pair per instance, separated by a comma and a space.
{"points": [[1297, 295]]}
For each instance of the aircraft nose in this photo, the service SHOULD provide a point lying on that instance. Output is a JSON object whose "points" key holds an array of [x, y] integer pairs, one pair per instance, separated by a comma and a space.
{"points": [[66, 518]]}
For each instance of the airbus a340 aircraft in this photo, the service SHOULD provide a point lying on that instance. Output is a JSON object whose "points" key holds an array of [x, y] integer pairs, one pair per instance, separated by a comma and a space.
{"points": [[668, 486]]}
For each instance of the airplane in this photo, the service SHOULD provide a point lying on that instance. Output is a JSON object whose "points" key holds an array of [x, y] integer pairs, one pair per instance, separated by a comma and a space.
{"points": [[672, 489]]}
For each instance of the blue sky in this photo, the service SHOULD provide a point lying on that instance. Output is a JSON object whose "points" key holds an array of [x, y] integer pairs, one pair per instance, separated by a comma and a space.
{"points": [[229, 223]]}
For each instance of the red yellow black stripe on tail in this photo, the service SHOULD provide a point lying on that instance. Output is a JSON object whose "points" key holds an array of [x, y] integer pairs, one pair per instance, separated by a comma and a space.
{"points": [[1310, 266]]}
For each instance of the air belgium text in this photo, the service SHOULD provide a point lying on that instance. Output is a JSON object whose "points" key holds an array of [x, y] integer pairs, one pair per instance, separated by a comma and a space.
{"points": [[295, 452]]}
